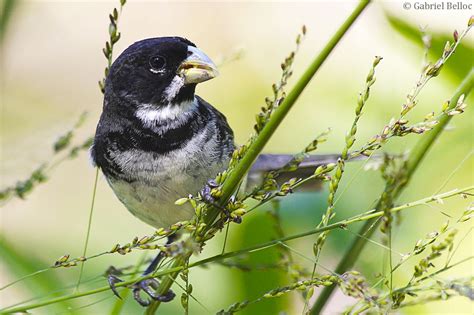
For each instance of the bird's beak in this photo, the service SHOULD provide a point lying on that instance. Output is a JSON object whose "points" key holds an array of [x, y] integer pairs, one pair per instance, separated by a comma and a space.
{"points": [[198, 67]]}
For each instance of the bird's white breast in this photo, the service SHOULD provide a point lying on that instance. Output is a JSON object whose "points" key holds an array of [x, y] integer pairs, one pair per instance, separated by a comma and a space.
{"points": [[162, 179]]}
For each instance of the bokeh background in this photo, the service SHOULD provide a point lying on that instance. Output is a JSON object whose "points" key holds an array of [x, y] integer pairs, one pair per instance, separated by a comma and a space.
{"points": [[51, 61]]}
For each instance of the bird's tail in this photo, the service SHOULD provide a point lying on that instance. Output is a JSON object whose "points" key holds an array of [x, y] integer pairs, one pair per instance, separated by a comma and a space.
{"points": [[271, 162]]}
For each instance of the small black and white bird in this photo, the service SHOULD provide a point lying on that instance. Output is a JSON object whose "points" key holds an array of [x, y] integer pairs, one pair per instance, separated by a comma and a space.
{"points": [[156, 141]]}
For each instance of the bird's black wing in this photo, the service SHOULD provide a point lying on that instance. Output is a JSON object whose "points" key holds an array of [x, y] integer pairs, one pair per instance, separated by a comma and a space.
{"points": [[225, 135]]}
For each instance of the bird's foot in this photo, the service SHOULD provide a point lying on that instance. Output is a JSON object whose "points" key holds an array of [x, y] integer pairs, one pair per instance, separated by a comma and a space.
{"points": [[209, 199], [113, 280], [149, 286], [206, 192]]}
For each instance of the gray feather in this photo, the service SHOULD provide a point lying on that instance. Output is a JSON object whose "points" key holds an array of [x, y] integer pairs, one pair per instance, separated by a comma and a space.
{"points": [[270, 162]]}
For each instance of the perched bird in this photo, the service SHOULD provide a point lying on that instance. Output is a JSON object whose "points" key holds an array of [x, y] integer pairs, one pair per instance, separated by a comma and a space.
{"points": [[156, 141]]}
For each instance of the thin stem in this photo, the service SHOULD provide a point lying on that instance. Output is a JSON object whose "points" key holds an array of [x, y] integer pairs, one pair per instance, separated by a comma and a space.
{"points": [[24, 278], [414, 160], [225, 237], [340, 168], [458, 167], [390, 262], [89, 224]]}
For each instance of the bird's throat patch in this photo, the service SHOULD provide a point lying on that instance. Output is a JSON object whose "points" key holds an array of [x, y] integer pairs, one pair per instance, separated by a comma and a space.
{"points": [[173, 89], [172, 115]]}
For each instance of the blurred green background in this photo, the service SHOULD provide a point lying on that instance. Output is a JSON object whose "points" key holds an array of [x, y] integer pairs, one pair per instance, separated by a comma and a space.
{"points": [[51, 61]]}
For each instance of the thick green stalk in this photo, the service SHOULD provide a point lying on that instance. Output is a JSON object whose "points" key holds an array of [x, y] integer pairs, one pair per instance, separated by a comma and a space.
{"points": [[6, 12], [341, 224], [232, 182], [414, 160]]}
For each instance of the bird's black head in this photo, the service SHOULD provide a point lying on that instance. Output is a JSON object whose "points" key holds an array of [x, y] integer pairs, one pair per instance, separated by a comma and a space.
{"points": [[159, 71]]}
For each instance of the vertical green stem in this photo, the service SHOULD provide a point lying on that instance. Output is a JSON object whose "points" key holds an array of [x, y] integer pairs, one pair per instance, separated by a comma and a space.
{"points": [[416, 156], [89, 224], [256, 147]]}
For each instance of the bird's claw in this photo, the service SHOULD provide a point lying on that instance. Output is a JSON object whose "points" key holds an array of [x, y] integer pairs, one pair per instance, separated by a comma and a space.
{"points": [[149, 286], [113, 280], [209, 199], [206, 192]]}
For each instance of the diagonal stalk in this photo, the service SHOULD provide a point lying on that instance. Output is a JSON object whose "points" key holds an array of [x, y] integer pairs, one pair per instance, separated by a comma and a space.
{"points": [[232, 182], [414, 160]]}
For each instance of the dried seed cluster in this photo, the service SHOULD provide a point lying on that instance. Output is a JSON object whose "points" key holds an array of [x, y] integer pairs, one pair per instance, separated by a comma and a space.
{"points": [[275, 293], [349, 142], [278, 88], [114, 37], [40, 175]]}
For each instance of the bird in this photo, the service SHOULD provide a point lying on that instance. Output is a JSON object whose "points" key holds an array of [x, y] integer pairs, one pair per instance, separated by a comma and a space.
{"points": [[157, 141]]}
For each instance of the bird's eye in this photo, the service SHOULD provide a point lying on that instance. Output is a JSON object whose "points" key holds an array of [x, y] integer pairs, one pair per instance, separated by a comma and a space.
{"points": [[157, 64]]}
